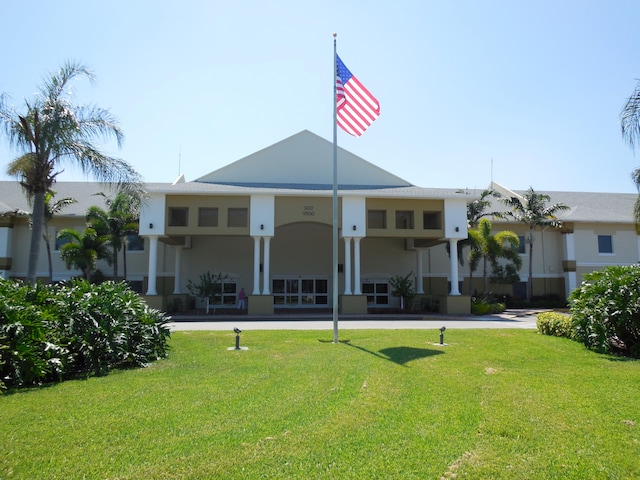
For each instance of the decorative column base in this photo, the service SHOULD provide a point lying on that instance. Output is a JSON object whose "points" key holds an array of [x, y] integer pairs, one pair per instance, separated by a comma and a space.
{"points": [[260, 305], [353, 304], [455, 304]]}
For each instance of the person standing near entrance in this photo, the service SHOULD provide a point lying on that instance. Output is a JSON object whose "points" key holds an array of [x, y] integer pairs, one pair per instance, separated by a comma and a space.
{"points": [[242, 299]]}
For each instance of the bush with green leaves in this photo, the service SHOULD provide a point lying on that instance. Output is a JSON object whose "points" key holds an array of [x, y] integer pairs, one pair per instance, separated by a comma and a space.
{"points": [[484, 306], [606, 310], [49, 332], [556, 324]]}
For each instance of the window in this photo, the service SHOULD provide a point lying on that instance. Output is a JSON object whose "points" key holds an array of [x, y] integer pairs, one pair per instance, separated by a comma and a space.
{"points": [[178, 216], [377, 293], [522, 248], [605, 244], [135, 243], [377, 219], [432, 220], [227, 297], [300, 292], [207, 217], [237, 217], [404, 219], [60, 241]]}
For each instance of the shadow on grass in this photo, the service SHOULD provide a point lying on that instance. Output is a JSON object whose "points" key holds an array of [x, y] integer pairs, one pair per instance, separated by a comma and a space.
{"points": [[400, 355]]}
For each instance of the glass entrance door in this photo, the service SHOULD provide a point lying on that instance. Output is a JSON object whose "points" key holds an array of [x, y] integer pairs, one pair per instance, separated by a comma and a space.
{"points": [[300, 292]]}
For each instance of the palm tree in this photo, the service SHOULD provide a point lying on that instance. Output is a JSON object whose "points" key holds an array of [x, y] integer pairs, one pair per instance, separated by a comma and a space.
{"points": [[50, 131], [630, 126], [51, 209], [476, 210], [532, 210], [490, 248], [82, 250], [119, 221]]}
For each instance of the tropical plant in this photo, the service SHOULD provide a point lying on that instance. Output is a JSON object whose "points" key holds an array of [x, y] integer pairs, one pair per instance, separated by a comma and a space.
{"points": [[403, 287], [119, 221], [630, 126], [605, 310], [208, 287], [82, 250], [51, 131], [477, 209], [50, 332], [532, 210], [51, 209], [489, 248]]}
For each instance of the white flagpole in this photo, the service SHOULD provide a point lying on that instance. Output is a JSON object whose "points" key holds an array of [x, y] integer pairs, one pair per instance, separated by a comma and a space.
{"points": [[335, 194]]}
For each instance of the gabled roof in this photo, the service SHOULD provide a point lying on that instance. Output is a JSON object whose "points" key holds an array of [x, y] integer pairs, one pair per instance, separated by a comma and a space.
{"points": [[303, 161], [586, 207]]}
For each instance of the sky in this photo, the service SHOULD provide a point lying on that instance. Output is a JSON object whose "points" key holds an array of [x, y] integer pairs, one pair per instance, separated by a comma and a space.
{"points": [[526, 94]]}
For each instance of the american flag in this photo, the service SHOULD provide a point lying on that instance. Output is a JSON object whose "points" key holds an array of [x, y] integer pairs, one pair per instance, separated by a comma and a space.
{"points": [[356, 107]]}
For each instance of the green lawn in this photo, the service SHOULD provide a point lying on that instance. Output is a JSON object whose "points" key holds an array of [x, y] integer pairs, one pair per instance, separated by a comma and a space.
{"points": [[387, 405]]}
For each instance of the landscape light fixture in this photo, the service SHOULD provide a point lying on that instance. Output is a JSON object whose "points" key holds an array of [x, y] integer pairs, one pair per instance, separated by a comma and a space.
{"points": [[237, 332], [442, 329]]}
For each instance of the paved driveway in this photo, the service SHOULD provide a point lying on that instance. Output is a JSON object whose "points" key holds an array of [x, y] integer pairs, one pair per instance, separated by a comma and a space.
{"points": [[510, 319]]}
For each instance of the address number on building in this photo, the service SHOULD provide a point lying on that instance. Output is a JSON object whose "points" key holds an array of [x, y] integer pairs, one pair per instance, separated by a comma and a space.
{"points": [[308, 211]]}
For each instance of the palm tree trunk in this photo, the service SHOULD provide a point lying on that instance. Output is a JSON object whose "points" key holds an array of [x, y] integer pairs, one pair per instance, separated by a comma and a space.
{"points": [[124, 260], [37, 219], [530, 282], [115, 264], [484, 274], [47, 243]]}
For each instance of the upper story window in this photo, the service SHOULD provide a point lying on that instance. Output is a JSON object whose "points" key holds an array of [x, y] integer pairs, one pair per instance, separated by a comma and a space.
{"points": [[432, 220], [207, 217], [237, 217], [404, 219], [178, 216], [377, 219], [605, 244]]}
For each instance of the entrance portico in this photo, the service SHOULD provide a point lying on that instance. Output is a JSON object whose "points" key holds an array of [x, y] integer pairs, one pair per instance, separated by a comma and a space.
{"points": [[265, 222]]}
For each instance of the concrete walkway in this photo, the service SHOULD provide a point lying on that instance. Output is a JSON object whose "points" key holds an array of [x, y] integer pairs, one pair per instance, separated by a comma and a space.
{"points": [[510, 319]]}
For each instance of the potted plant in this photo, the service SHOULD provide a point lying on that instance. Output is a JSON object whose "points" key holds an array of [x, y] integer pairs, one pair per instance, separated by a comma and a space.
{"points": [[209, 287], [403, 287]]}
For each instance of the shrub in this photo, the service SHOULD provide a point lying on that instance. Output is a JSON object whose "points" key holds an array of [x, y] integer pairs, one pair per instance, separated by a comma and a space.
{"points": [[484, 306], [50, 332], [606, 310], [555, 324]]}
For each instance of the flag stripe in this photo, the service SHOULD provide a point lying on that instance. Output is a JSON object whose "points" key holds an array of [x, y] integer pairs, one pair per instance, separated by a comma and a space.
{"points": [[356, 108]]}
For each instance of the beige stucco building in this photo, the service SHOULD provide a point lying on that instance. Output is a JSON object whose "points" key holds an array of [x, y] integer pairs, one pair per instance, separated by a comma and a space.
{"points": [[266, 223]]}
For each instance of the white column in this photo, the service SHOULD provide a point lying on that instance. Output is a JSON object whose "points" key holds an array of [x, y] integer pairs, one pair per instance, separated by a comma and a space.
{"points": [[256, 265], [419, 288], [356, 266], [153, 264], [266, 283], [347, 265], [570, 278], [178, 272], [453, 260]]}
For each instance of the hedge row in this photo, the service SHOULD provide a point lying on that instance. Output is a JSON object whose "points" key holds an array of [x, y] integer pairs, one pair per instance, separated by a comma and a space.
{"points": [[52, 332]]}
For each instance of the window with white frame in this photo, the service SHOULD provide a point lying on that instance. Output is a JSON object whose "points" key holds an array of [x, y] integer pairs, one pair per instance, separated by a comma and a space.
{"points": [[605, 244], [377, 292], [135, 243], [227, 297]]}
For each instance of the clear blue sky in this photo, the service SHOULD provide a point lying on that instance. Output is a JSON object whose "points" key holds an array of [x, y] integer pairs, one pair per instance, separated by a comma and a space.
{"points": [[529, 92]]}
